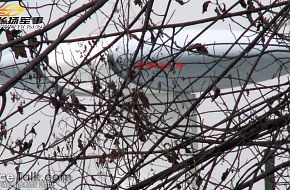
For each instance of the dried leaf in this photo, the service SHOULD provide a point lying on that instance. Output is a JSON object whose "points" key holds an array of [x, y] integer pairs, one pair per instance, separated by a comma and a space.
{"points": [[43, 145], [19, 48], [225, 175], [249, 15], [278, 113], [198, 181], [26, 146], [181, 2], [16, 33], [18, 142], [109, 136], [171, 157], [80, 144], [93, 146], [243, 3], [137, 119], [138, 2], [250, 18], [12, 151], [141, 135], [30, 143], [200, 48], [259, 26], [58, 149], [152, 37], [3, 134], [205, 6], [33, 131], [33, 44], [97, 85], [57, 104], [114, 155], [217, 12], [82, 107], [116, 142], [20, 109], [247, 92], [73, 161], [93, 179], [134, 36], [217, 92], [9, 36], [132, 75], [74, 99], [112, 85], [77, 103], [144, 99], [187, 150], [102, 159]]}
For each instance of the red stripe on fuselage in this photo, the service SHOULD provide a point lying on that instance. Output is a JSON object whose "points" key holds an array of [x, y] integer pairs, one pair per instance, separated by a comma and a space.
{"points": [[159, 65]]}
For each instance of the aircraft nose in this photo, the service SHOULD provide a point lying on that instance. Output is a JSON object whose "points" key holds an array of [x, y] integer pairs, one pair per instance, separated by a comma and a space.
{"points": [[10, 65], [112, 63]]}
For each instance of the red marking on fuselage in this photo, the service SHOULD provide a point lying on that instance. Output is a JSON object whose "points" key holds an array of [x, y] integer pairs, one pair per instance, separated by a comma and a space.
{"points": [[159, 65]]}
